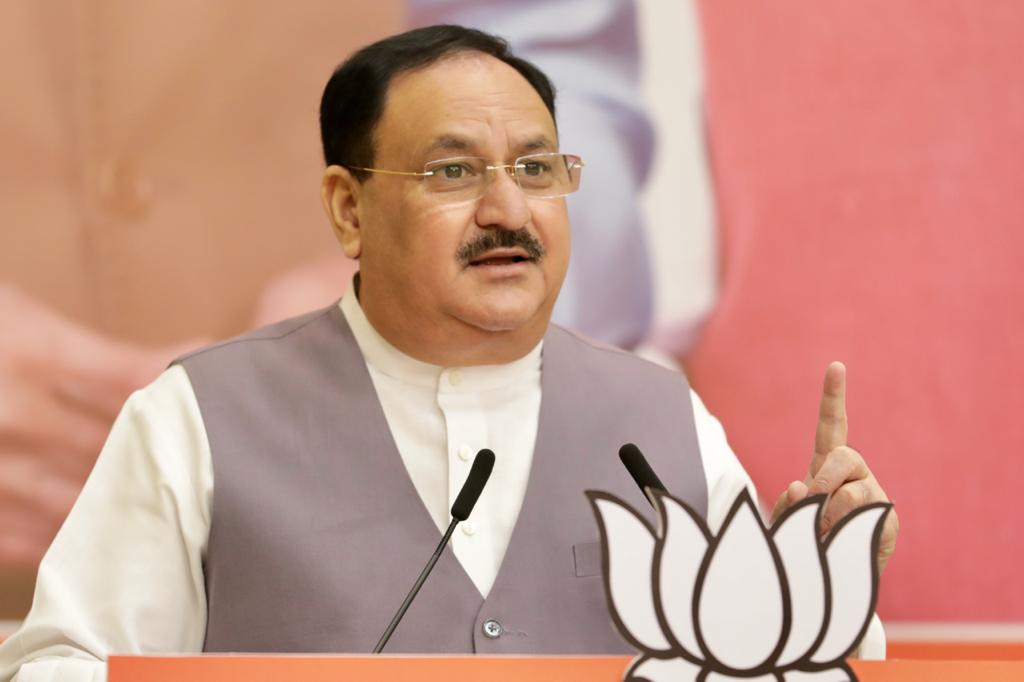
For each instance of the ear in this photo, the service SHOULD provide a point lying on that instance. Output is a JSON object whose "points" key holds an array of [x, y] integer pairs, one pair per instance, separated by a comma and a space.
{"points": [[339, 191]]}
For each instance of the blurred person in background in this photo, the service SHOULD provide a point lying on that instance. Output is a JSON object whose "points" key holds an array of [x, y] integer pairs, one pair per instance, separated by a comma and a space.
{"points": [[150, 153], [155, 153]]}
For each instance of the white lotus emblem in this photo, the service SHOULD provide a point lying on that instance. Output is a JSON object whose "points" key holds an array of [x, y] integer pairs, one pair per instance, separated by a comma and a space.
{"points": [[749, 604]]}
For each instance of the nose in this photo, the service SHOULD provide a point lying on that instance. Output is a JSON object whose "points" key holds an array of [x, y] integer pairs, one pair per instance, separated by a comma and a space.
{"points": [[503, 204]]}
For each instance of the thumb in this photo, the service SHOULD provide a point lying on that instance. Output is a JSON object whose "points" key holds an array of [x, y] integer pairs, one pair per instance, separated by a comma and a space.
{"points": [[796, 491]]}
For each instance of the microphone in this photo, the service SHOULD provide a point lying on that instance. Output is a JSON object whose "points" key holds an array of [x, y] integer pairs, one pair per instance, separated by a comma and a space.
{"points": [[463, 507], [637, 466], [474, 485]]}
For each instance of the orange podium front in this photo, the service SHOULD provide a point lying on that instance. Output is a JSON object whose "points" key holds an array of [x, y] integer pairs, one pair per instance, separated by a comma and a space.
{"points": [[319, 668]]}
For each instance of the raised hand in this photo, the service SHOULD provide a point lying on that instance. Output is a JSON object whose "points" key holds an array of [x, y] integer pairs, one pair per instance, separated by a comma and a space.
{"points": [[837, 470]]}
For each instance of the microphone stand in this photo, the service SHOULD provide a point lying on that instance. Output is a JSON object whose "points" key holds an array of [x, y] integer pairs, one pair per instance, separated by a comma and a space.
{"points": [[483, 463], [415, 588]]}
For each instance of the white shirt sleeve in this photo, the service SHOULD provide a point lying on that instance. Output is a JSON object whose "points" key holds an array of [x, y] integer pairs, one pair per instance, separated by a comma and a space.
{"points": [[125, 572], [726, 477]]}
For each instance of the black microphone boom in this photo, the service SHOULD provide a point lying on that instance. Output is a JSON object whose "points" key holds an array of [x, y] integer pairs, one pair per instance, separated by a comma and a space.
{"points": [[637, 466], [483, 463]]}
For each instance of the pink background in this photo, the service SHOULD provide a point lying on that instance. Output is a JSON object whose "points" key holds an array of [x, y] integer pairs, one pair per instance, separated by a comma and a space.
{"points": [[867, 165], [868, 174]]}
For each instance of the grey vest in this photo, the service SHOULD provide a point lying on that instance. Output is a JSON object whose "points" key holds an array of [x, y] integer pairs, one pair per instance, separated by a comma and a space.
{"points": [[317, 531]]}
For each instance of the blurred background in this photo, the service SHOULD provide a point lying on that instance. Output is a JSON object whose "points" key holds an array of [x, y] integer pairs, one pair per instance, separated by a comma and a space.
{"points": [[770, 186]]}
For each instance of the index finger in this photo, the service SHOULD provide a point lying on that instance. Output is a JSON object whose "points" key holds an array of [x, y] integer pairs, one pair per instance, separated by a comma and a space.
{"points": [[832, 425]]}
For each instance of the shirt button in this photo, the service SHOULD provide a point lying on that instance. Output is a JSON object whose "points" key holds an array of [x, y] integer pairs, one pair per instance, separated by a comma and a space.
{"points": [[455, 377], [467, 527], [464, 453], [492, 628]]}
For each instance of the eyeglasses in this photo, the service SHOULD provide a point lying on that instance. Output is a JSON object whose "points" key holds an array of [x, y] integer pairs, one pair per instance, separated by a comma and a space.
{"points": [[465, 178]]}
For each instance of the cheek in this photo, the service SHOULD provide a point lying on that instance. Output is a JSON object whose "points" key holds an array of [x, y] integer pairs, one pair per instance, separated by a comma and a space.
{"points": [[437, 232], [552, 224]]}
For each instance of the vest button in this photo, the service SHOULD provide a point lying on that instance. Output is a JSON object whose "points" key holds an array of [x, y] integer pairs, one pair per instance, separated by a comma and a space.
{"points": [[492, 628]]}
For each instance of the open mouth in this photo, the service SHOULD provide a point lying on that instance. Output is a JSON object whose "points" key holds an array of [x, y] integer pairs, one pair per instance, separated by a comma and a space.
{"points": [[500, 258], [503, 250]]}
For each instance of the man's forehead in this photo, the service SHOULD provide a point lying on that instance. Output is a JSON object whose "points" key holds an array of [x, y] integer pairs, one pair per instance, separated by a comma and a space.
{"points": [[455, 104]]}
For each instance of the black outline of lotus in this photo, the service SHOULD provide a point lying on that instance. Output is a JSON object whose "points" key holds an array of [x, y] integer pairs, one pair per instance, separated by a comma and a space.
{"points": [[699, 663]]}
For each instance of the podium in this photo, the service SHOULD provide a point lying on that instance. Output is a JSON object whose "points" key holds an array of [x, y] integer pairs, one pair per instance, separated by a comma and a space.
{"points": [[342, 668]]}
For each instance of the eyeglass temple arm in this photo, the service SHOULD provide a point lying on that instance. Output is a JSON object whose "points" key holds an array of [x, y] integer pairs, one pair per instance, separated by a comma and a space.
{"points": [[390, 172]]}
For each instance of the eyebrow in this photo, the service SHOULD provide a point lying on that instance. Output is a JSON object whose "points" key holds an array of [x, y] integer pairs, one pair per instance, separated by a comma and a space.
{"points": [[461, 144], [449, 143], [539, 142]]}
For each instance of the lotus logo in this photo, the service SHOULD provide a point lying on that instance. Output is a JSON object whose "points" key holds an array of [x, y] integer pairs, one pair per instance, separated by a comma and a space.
{"points": [[750, 604]]}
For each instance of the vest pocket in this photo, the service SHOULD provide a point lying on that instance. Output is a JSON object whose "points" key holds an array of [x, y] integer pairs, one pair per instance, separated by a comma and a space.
{"points": [[587, 556]]}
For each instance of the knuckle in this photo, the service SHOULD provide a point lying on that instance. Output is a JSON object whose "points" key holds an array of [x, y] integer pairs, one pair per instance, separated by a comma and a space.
{"points": [[832, 516], [847, 454], [829, 418], [849, 496]]}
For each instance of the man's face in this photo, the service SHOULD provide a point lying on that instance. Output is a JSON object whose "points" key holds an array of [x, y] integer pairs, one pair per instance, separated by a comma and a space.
{"points": [[434, 262]]}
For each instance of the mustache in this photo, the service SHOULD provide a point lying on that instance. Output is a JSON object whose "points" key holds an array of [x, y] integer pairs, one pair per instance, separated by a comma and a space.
{"points": [[500, 239]]}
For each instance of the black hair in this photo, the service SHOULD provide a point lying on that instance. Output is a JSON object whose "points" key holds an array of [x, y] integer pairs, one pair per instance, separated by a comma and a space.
{"points": [[354, 97]]}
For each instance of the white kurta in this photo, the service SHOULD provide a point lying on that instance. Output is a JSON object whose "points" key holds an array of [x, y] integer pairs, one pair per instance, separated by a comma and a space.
{"points": [[124, 574]]}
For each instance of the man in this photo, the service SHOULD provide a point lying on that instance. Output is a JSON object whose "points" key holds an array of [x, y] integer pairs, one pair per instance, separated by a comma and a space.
{"points": [[278, 492]]}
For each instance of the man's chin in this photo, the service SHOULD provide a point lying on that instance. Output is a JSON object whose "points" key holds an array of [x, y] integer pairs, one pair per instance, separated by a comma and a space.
{"points": [[500, 323], [509, 306], [507, 319]]}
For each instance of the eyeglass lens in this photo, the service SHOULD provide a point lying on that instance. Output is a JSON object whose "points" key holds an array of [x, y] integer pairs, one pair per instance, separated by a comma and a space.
{"points": [[538, 175]]}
